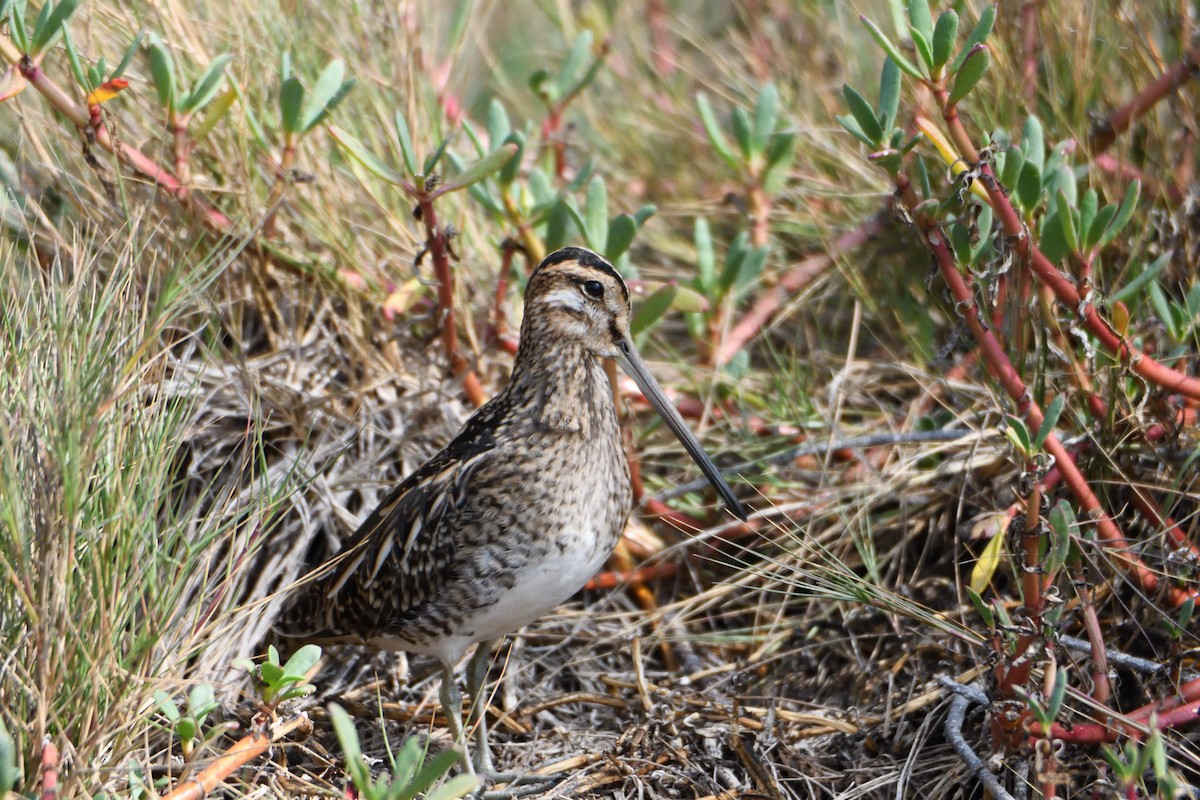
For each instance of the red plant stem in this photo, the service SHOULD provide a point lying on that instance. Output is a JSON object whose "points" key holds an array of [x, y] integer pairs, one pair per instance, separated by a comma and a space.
{"points": [[645, 574], [796, 278], [243, 752], [1031, 580], [1003, 370], [49, 770], [79, 116], [1101, 690], [758, 204], [435, 241], [287, 159], [499, 323], [1187, 693], [1119, 121], [1062, 286]]}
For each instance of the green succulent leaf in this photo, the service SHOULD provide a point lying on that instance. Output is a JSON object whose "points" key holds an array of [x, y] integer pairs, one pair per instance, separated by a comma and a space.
{"points": [[1029, 186], [558, 224], [923, 47], [716, 138], [1066, 219], [1060, 520], [920, 18], [330, 90], [127, 56], [766, 114], [893, 52], [291, 100], [8, 758], [1049, 420], [595, 228], [852, 127], [581, 48], [978, 35], [982, 608], [620, 236], [206, 85], [508, 173], [889, 94], [498, 124], [167, 706], [1033, 142], [864, 115], [944, 35], [970, 73], [1018, 434], [652, 308], [404, 139], [482, 169], [85, 79], [1124, 214], [359, 152], [162, 70], [1087, 216], [1133, 290], [434, 158], [50, 24], [1100, 223]]}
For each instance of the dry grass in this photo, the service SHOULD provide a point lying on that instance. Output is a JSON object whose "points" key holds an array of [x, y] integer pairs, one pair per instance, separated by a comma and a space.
{"points": [[186, 419]]}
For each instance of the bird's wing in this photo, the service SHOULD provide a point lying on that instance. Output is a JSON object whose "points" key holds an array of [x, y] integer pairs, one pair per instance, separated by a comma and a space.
{"points": [[400, 555]]}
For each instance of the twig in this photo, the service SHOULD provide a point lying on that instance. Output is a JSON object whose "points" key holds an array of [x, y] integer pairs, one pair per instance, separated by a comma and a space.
{"points": [[435, 240], [953, 730], [1119, 121], [799, 276], [1115, 657]]}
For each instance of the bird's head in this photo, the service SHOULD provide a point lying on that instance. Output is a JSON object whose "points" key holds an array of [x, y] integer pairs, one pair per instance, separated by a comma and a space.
{"points": [[575, 296]]}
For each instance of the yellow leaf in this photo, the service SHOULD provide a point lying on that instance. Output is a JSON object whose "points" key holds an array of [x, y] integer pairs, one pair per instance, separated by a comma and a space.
{"points": [[989, 560], [402, 298], [107, 91], [949, 155]]}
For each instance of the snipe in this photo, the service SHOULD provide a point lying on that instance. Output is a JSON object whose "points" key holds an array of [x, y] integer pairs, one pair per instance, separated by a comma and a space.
{"points": [[515, 514]]}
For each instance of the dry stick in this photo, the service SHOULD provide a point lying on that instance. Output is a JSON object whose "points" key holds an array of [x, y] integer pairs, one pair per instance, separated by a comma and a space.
{"points": [[438, 248], [1119, 121], [799, 276], [953, 730], [241, 753], [1062, 286], [78, 114]]}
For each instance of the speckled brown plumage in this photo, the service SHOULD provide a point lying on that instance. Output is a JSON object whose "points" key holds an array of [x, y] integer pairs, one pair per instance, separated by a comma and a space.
{"points": [[515, 514]]}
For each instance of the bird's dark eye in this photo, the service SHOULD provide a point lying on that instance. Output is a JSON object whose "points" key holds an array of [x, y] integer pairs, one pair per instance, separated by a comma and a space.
{"points": [[593, 289]]}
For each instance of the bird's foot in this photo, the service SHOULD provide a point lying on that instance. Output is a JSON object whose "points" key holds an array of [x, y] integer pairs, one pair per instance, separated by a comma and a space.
{"points": [[510, 785]]}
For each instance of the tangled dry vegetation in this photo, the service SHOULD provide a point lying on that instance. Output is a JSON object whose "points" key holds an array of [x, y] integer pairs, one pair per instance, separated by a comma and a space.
{"points": [[225, 333]]}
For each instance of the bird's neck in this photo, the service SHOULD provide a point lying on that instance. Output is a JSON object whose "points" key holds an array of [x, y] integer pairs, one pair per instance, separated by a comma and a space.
{"points": [[564, 387]]}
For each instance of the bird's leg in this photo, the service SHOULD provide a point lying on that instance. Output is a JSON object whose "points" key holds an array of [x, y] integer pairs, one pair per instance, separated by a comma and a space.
{"points": [[452, 707], [518, 784], [477, 670]]}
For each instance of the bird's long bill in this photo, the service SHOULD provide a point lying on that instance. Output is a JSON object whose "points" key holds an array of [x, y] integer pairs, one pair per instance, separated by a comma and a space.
{"points": [[632, 363]]}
